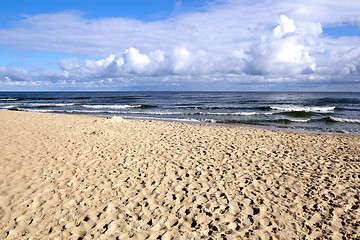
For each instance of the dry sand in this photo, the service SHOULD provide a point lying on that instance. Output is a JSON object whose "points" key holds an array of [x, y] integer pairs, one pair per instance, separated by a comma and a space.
{"points": [[85, 177]]}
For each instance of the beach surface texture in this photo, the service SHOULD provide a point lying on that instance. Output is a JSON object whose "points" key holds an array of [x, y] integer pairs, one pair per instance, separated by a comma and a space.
{"points": [[85, 177]]}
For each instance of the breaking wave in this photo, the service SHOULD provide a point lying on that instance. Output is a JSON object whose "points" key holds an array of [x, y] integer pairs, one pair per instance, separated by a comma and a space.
{"points": [[8, 99], [344, 120], [303, 109], [137, 106]]}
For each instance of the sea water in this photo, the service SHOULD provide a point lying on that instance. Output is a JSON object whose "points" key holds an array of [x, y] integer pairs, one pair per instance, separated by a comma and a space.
{"points": [[310, 111]]}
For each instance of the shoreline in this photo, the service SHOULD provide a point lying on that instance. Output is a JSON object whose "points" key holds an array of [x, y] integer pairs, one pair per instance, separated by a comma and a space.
{"points": [[191, 121], [195, 121], [81, 176]]}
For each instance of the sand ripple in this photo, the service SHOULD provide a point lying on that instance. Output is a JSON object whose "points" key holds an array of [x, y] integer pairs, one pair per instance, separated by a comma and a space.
{"points": [[82, 177]]}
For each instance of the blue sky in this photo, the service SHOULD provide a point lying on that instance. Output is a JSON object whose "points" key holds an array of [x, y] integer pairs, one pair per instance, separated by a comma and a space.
{"points": [[12, 11], [180, 45]]}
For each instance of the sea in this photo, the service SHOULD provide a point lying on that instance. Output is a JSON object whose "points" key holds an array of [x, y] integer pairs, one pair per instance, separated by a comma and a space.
{"points": [[319, 112]]}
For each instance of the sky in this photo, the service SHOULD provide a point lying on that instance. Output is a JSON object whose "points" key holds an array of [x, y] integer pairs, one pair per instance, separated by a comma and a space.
{"points": [[198, 45]]}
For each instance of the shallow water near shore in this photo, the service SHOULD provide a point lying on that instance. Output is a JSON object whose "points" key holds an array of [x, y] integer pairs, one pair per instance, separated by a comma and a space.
{"points": [[308, 112]]}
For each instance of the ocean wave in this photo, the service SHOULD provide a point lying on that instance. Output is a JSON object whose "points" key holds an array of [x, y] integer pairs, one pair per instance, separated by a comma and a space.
{"points": [[65, 111], [207, 108], [96, 111], [345, 120], [73, 98], [303, 109], [110, 106], [113, 97], [8, 99], [190, 113], [41, 99], [264, 122], [227, 113], [280, 120], [236, 113], [135, 106], [288, 120], [338, 101], [8, 106], [219, 113], [354, 108], [166, 119], [297, 114], [300, 120], [49, 104], [239, 122], [103, 110]]}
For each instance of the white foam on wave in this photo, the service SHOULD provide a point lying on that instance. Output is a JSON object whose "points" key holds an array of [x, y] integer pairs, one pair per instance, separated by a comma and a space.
{"points": [[347, 120], [8, 99], [8, 106], [112, 106], [49, 104], [99, 110], [300, 120], [166, 119], [238, 113], [153, 113], [198, 113], [39, 110], [65, 111], [303, 109]]}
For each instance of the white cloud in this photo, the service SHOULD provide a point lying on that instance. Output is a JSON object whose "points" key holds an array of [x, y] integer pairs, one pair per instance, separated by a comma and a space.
{"points": [[14, 74], [286, 26], [235, 41], [134, 61], [69, 64], [181, 60], [286, 51], [54, 75], [103, 68]]}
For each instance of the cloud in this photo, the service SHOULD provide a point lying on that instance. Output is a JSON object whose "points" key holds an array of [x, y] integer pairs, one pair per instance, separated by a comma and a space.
{"points": [[134, 61], [181, 60], [54, 76], [14, 74], [69, 64], [288, 50], [328, 12], [228, 42], [285, 27], [219, 27]]}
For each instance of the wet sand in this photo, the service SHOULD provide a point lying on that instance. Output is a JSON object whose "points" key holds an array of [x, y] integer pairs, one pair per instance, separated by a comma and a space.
{"points": [[86, 177]]}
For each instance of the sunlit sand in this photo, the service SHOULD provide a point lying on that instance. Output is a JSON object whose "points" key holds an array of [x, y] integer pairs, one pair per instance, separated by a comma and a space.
{"points": [[86, 177]]}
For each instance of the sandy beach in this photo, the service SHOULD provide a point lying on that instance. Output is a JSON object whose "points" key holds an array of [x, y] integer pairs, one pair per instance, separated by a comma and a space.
{"points": [[86, 177]]}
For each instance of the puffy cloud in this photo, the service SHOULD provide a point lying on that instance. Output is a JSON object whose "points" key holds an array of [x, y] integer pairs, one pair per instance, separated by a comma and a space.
{"points": [[228, 41], [286, 26], [286, 51], [102, 68], [15, 74], [69, 64], [134, 61], [54, 76], [181, 60], [217, 27], [344, 62]]}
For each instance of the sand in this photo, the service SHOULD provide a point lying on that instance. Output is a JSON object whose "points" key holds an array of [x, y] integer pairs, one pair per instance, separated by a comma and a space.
{"points": [[86, 177]]}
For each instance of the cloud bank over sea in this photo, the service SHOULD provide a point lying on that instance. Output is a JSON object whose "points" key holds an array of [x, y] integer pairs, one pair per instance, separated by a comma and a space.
{"points": [[232, 43]]}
